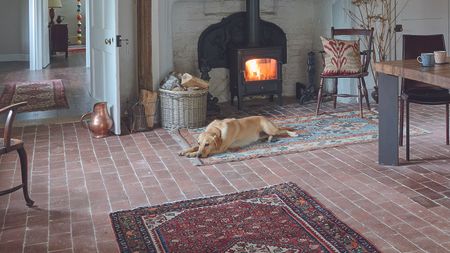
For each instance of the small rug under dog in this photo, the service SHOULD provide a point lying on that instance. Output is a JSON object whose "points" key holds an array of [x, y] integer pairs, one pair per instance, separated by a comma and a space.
{"points": [[40, 95], [281, 218], [314, 132]]}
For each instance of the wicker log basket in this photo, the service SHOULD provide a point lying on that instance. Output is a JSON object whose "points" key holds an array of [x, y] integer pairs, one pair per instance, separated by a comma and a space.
{"points": [[183, 109]]}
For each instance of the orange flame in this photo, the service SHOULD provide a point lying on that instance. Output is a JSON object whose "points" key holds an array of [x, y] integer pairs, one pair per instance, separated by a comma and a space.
{"points": [[260, 70]]}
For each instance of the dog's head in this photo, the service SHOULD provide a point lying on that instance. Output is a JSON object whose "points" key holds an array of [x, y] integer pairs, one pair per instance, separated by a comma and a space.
{"points": [[208, 142]]}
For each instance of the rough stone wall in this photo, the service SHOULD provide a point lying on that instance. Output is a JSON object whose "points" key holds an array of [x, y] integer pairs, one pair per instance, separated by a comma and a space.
{"points": [[296, 17]]}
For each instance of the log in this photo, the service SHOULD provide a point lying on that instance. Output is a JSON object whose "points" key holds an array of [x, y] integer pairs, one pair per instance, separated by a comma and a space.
{"points": [[149, 99], [189, 81]]}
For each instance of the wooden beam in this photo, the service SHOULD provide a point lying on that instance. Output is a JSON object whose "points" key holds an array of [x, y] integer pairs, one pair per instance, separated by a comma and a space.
{"points": [[144, 21]]}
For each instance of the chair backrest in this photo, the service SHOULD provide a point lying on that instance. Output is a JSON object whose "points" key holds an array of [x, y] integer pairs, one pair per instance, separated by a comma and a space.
{"points": [[414, 45], [11, 111], [367, 33]]}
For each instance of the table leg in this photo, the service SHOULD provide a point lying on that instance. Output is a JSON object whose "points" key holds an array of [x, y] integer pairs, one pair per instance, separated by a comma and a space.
{"points": [[388, 120]]}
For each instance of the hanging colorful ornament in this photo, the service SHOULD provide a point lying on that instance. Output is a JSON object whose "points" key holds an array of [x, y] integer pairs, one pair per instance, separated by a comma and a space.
{"points": [[79, 18]]}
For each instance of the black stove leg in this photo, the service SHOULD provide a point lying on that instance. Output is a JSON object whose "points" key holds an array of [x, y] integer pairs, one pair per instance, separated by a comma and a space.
{"points": [[239, 100], [280, 99]]}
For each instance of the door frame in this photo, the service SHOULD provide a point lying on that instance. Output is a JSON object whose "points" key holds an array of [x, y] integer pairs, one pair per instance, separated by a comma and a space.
{"points": [[38, 32], [39, 37]]}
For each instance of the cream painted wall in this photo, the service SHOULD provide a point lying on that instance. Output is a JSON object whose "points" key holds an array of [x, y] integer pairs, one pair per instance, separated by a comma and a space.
{"points": [[14, 45], [69, 12]]}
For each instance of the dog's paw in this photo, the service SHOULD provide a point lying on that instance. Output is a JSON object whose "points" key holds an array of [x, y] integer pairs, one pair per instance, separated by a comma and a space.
{"points": [[181, 153], [191, 155], [292, 134]]}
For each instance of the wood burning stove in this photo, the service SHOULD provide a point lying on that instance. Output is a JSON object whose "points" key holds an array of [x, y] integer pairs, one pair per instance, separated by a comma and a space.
{"points": [[256, 71], [252, 49]]}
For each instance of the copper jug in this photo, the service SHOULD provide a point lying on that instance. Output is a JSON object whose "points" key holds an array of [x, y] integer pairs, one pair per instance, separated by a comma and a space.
{"points": [[100, 123]]}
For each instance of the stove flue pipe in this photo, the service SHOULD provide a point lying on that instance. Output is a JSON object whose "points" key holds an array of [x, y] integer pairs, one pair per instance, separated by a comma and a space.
{"points": [[253, 23]]}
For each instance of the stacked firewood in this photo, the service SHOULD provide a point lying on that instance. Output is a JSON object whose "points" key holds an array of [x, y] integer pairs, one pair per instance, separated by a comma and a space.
{"points": [[183, 82]]}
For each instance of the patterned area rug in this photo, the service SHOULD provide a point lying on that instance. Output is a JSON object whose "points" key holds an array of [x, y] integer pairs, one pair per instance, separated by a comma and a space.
{"points": [[324, 131], [281, 218], [40, 95], [77, 49]]}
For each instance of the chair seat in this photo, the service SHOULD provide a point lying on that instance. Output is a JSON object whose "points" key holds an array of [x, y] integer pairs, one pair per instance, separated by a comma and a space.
{"points": [[426, 93], [15, 144], [359, 75]]}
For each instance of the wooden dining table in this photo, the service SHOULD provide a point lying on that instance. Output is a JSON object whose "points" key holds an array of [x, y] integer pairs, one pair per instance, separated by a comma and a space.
{"points": [[389, 75]]}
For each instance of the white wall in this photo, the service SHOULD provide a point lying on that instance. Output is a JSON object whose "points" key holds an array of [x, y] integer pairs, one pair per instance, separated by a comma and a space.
{"points": [[14, 45]]}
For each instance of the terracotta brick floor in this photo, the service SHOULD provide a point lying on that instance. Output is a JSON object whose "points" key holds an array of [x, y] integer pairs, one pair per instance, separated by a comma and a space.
{"points": [[76, 181]]}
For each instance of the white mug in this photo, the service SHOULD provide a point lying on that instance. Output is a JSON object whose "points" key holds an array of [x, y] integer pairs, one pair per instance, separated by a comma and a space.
{"points": [[440, 57]]}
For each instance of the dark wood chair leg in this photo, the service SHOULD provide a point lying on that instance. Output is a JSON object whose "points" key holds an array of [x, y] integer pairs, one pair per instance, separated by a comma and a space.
{"points": [[366, 93], [447, 123], [24, 169], [402, 121], [407, 131], [336, 92], [319, 96], [360, 97]]}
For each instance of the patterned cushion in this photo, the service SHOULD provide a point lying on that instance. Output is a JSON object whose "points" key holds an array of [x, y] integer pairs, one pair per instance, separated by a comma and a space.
{"points": [[342, 57]]}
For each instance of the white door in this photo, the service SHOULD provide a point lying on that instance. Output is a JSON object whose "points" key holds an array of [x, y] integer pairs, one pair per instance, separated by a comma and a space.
{"points": [[420, 17], [105, 79]]}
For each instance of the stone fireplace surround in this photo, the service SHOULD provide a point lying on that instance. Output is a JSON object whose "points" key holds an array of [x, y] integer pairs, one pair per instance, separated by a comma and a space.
{"points": [[177, 25]]}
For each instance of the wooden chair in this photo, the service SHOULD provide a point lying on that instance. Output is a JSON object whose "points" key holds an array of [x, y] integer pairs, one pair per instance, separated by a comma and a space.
{"points": [[366, 55], [418, 92], [7, 144]]}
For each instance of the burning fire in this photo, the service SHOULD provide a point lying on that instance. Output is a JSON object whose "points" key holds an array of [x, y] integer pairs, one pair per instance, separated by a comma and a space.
{"points": [[260, 70]]}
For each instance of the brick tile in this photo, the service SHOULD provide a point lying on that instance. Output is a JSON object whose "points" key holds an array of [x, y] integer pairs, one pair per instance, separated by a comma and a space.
{"points": [[36, 236], [59, 226], [107, 247], [60, 242], [426, 202], [104, 233], [36, 248]]}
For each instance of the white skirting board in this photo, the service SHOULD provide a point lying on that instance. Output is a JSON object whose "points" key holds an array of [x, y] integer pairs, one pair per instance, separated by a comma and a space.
{"points": [[14, 57]]}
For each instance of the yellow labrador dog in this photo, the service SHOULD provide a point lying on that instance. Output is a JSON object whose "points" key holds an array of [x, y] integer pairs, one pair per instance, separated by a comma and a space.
{"points": [[222, 135]]}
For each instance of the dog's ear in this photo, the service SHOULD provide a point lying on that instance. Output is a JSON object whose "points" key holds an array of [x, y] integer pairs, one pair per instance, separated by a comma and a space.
{"points": [[217, 141]]}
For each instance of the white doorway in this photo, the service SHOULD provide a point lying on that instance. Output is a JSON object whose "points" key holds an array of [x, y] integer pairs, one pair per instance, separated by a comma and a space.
{"points": [[113, 69], [39, 30]]}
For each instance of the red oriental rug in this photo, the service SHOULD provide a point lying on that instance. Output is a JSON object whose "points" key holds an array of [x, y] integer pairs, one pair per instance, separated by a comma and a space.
{"points": [[280, 218], [40, 95], [77, 49]]}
